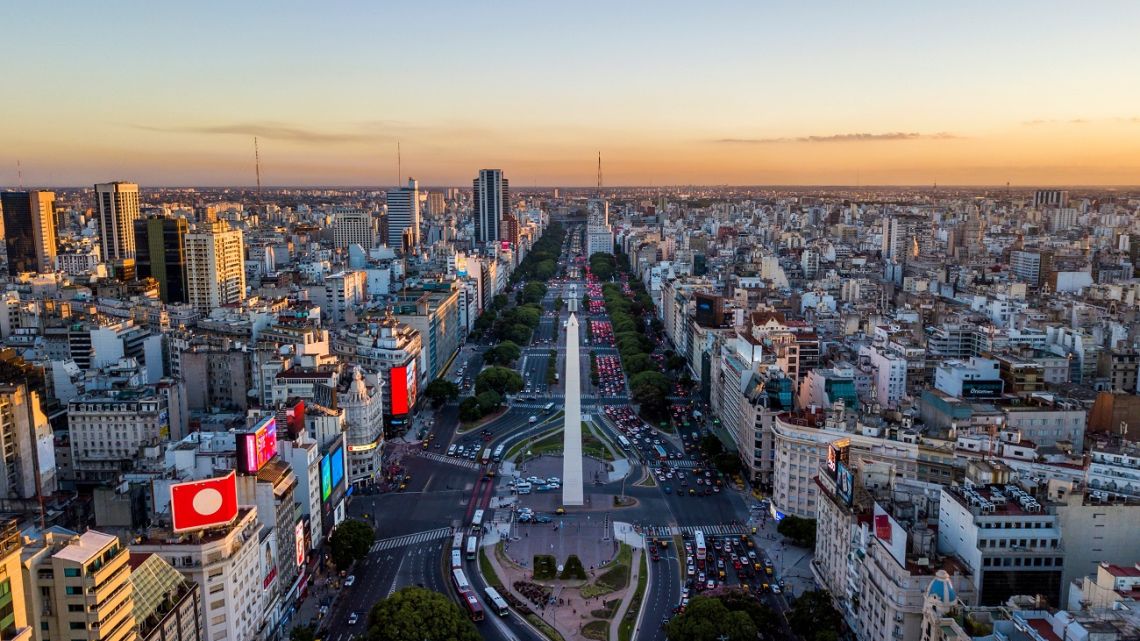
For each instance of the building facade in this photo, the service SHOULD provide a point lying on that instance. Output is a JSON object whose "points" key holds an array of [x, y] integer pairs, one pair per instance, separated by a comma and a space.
{"points": [[29, 230], [215, 267]]}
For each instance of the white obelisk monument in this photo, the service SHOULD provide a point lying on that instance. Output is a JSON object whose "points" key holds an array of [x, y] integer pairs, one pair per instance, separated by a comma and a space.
{"points": [[573, 492]]}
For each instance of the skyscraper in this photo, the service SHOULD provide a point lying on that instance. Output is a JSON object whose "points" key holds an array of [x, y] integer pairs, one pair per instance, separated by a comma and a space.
{"points": [[492, 199], [404, 217], [215, 266], [29, 230], [161, 254], [117, 206]]}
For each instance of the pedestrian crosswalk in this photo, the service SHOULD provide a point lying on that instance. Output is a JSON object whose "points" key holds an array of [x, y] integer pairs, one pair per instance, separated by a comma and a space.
{"points": [[707, 530], [451, 460], [684, 463], [412, 539]]}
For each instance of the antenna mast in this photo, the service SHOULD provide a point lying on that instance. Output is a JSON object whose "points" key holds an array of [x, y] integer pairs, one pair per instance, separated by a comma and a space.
{"points": [[20, 175], [257, 167], [599, 173], [399, 165]]}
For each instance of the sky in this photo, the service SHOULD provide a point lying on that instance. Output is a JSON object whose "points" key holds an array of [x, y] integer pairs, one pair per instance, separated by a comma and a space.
{"points": [[741, 93]]}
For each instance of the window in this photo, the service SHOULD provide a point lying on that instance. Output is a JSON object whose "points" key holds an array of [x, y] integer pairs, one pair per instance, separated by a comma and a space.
{"points": [[71, 572], [73, 590], [77, 625]]}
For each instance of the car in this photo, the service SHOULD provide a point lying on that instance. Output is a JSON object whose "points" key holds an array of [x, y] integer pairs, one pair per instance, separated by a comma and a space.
{"points": [[554, 480], [324, 610], [711, 584], [691, 569], [353, 618], [776, 589], [542, 518], [560, 511], [350, 580], [668, 489], [534, 479]]}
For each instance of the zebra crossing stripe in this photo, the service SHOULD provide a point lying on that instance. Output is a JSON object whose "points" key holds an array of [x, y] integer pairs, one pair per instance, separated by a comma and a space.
{"points": [[410, 539], [469, 464], [708, 530]]}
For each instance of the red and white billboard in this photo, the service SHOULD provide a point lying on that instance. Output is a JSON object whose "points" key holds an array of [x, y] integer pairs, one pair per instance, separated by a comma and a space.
{"points": [[257, 447], [299, 543], [198, 505], [402, 380]]}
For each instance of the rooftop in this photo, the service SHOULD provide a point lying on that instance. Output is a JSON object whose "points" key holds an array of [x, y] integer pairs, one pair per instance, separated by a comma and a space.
{"points": [[86, 547]]}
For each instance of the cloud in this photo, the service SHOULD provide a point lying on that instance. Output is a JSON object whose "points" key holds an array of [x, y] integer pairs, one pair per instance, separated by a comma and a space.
{"points": [[269, 130], [1071, 121], [858, 137]]}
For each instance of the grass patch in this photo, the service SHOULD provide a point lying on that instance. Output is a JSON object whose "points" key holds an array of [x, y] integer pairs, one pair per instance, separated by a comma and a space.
{"points": [[521, 446], [573, 569], [608, 610], [488, 571], [625, 629], [545, 567], [614, 578], [465, 427], [648, 481], [544, 627], [598, 630]]}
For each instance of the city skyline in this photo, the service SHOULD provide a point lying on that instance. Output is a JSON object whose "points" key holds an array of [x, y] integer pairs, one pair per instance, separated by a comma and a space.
{"points": [[734, 94]]}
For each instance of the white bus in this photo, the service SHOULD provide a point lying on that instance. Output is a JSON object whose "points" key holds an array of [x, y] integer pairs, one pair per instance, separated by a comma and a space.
{"points": [[498, 455], [623, 442], [699, 545], [498, 604], [460, 580], [457, 541], [550, 406], [486, 458], [472, 547], [477, 520], [456, 559]]}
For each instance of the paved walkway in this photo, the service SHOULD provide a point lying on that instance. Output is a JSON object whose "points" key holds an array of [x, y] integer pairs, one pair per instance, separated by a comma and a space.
{"points": [[615, 623]]}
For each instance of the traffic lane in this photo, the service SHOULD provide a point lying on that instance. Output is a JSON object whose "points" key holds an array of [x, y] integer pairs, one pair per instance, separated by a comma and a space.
{"points": [[698, 509], [417, 511], [663, 595], [509, 627]]}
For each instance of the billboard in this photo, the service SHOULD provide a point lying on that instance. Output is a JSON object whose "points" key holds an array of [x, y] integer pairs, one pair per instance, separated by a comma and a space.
{"points": [[197, 505], [337, 468], [398, 382], [982, 389], [254, 449], [268, 563], [845, 484], [295, 418], [299, 543], [402, 381], [326, 478], [891, 534]]}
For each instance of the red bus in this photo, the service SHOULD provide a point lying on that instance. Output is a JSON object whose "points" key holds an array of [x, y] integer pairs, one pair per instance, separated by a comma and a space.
{"points": [[474, 610]]}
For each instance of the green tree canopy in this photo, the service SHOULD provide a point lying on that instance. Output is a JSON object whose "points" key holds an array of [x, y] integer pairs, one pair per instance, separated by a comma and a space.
{"points": [[469, 409], [418, 614], [350, 542], [504, 353], [499, 379], [533, 292], [711, 446], [799, 531], [441, 390], [489, 401], [813, 616], [709, 619]]}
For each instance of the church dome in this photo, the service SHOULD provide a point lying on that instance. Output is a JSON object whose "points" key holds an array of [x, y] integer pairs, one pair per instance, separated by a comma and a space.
{"points": [[941, 588]]}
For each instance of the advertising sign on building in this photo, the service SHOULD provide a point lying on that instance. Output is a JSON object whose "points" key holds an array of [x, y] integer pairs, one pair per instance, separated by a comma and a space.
{"points": [[256, 448], [197, 505]]}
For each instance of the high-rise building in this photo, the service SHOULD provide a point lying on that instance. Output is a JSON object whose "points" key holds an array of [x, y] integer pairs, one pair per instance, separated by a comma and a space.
{"points": [[117, 208], [168, 606], [161, 255], [436, 204], [492, 199], [80, 587], [353, 227], [1050, 198], [14, 609], [404, 217], [215, 266], [29, 230], [27, 457]]}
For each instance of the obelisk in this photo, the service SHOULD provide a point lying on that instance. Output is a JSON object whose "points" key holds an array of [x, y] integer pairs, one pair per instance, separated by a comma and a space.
{"points": [[573, 492]]}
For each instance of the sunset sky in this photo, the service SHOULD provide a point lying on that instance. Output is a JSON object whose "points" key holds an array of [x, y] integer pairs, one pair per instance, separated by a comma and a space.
{"points": [[669, 92]]}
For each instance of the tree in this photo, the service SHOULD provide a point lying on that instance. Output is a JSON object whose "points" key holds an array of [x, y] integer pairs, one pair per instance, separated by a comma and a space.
{"points": [[728, 463], [518, 333], [639, 363], [763, 617], [469, 409], [350, 542], [419, 614], [504, 353], [799, 531], [813, 616], [441, 390], [499, 302], [708, 619], [711, 446], [489, 401], [500, 379], [303, 633], [533, 292]]}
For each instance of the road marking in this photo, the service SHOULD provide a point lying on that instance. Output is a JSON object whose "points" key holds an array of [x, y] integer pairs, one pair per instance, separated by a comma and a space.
{"points": [[410, 539], [707, 530], [451, 460]]}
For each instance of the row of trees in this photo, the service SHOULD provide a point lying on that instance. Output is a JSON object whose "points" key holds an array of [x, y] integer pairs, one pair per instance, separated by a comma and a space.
{"points": [[541, 263], [736, 615], [411, 614], [491, 386]]}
